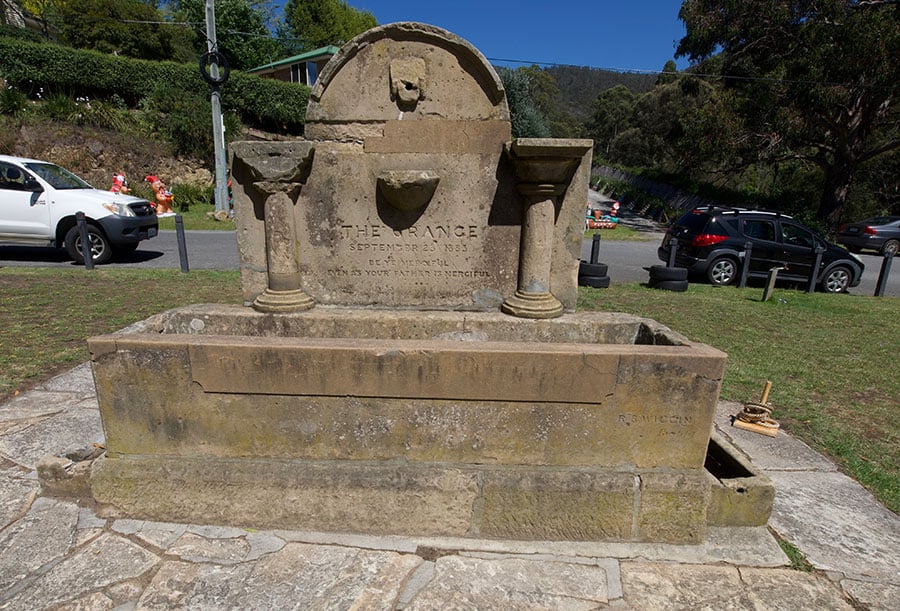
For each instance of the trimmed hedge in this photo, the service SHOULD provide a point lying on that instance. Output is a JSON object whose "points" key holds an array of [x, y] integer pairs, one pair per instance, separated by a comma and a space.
{"points": [[265, 103]]}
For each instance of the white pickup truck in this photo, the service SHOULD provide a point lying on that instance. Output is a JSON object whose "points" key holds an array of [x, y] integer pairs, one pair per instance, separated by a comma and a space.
{"points": [[39, 200]]}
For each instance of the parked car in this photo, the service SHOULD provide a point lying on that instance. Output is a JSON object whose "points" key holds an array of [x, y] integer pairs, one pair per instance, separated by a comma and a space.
{"points": [[39, 200], [712, 242], [881, 233]]}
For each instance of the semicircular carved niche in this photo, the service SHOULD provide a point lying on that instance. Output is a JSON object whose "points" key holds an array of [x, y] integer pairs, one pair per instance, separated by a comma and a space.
{"points": [[409, 71]]}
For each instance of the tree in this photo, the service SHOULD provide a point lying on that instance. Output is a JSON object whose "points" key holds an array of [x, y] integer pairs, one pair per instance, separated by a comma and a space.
{"points": [[527, 119], [122, 27], [242, 32], [545, 94], [815, 80], [318, 23], [611, 114], [47, 12]]}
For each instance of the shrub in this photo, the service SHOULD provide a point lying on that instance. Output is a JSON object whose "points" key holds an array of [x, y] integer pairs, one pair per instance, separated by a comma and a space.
{"points": [[12, 101], [266, 103], [192, 194]]}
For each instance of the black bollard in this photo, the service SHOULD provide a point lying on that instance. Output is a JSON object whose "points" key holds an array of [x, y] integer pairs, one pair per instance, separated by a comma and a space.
{"points": [[745, 264], [814, 272], [85, 240], [673, 251], [182, 245], [595, 248], [881, 285]]}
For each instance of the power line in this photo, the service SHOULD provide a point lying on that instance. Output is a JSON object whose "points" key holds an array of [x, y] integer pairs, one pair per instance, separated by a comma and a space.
{"points": [[680, 73]]}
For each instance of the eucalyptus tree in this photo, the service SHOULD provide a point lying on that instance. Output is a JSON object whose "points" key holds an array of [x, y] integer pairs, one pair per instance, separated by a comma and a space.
{"points": [[319, 23], [814, 80]]}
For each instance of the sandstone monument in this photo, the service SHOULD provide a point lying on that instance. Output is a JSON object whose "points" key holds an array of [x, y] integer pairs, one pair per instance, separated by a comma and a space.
{"points": [[409, 359]]}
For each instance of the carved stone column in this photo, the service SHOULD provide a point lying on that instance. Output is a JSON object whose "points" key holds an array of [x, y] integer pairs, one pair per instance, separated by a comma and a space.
{"points": [[544, 167], [278, 170]]}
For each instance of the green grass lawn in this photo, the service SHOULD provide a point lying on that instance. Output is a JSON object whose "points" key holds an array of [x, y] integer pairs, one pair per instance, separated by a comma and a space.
{"points": [[830, 357]]}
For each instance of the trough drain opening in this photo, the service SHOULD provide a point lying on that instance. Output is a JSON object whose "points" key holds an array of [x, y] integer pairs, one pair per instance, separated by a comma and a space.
{"points": [[722, 465]]}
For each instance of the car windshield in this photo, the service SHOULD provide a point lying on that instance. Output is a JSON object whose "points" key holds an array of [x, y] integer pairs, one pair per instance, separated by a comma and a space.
{"points": [[59, 178]]}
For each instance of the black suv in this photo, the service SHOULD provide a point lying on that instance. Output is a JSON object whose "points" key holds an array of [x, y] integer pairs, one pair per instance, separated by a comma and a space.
{"points": [[711, 242]]}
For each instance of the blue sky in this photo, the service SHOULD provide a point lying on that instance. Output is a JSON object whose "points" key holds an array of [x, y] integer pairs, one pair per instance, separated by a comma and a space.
{"points": [[636, 35]]}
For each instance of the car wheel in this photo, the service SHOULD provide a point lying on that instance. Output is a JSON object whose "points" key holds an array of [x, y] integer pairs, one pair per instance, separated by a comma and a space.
{"points": [[722, 271], [837, 280], [101, 251], [890, 248]]}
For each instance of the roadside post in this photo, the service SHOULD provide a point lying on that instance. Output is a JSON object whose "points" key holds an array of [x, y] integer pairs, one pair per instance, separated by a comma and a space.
{"points": [[814, 271], [215, 71], [881, 285], [595, 247], [85, 240], [745, 264], [770, 284], [673, 250], [182, 244]]}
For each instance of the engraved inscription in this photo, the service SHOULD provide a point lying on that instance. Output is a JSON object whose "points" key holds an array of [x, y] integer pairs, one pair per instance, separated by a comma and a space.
{"points": [[628, 419], [424, 252]]}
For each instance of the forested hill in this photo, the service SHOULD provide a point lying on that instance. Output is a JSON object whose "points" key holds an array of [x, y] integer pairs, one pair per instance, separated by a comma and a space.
{"points": [[580, 86]]}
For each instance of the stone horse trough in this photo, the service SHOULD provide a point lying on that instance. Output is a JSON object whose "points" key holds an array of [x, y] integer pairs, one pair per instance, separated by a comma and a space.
{"points": [[409, 359]]}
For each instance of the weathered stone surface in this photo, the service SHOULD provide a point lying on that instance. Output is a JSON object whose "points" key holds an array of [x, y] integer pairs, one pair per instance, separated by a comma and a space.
{"points": [[780, 453], [299, 576], [788, 589], [433, 106], [468, 401], [673, 507], [60, 477], [373, 498], [740, 495], [32, 406], [77, 380], [837, 524], [671, 586], [578, 506], [470, 583], [105, 562], [16, 494], [873, 596], [455, 82], [194, 548], [44, 535], [76, 427]]}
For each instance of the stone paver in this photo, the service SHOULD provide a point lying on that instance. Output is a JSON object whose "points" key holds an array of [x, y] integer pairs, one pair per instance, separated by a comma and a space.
{"points": [[471, 583]]}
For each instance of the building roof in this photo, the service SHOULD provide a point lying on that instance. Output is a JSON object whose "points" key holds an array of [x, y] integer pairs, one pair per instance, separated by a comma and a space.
{"points": [[314, 54]]}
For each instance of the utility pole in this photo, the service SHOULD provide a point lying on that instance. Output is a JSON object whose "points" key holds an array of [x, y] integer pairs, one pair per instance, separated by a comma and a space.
{"points": [[218, 124]]}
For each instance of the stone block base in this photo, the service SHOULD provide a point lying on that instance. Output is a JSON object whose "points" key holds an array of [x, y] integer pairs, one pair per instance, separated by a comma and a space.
{"points": [[403, 499]]}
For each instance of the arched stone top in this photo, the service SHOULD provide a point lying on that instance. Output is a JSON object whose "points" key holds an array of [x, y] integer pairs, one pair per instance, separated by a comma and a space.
{"points": [[407, 70]]}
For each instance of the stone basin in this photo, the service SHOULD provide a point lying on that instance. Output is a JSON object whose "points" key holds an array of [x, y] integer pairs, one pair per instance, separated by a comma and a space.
{"points": [[590, 426]]}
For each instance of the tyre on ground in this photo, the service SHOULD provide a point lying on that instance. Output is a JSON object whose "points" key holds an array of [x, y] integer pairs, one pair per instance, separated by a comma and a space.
{"points": [[592, 269], [597, 282], [662, 273], [678, 286]]}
